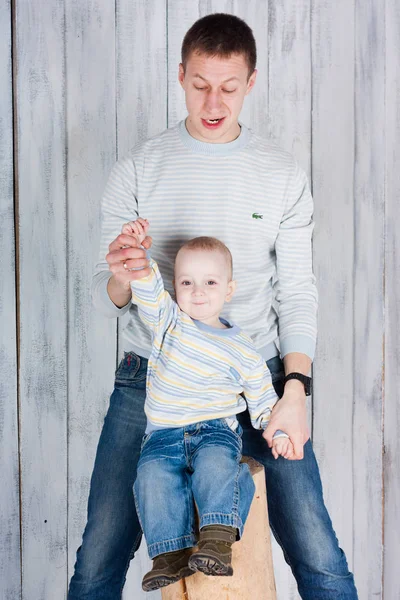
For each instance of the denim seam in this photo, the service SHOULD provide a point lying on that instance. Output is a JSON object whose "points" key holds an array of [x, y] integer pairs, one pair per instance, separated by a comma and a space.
{"points": [[137, 507], [184, 541], [230, 520], [276, 536], [219, 514], [233, 515], [189, 502], [236, 492], [131, 555]]}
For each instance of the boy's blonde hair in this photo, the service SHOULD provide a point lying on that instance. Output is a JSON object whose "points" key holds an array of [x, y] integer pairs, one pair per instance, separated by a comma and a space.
{"points": [[211, 244]]}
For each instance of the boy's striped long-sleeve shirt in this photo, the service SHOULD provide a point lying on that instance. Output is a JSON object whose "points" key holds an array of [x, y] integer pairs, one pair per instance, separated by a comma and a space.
{"points": [[197, 372]]}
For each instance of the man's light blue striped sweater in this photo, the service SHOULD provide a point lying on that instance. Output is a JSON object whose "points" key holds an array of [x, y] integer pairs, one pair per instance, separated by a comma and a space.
{"points": [[248, 193]]}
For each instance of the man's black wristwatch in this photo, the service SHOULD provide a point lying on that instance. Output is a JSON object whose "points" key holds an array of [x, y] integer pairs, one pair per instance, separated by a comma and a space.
{"points": [[306, 381]]}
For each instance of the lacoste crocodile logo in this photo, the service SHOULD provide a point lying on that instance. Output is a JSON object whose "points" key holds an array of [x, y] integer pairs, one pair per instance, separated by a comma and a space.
{"points": [[256, 216]]}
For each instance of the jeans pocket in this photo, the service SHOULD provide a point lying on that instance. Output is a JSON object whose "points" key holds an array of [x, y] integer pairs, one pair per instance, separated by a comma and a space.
{"points": [[277, 370], [131, 369], [234, 435], [145, 439]]}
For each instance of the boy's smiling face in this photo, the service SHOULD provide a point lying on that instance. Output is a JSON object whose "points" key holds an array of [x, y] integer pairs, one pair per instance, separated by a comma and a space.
{"points": [[214, 90], [203, 284]]}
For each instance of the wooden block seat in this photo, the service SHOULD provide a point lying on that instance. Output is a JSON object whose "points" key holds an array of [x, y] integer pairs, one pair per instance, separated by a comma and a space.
{"points": [[253, 575]]}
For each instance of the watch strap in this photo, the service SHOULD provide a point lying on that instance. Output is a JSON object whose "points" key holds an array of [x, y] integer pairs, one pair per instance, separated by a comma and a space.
{"points": [[306, 381]]}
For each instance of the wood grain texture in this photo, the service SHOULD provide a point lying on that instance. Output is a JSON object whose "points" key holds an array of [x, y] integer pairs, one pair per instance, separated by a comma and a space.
{"points": [[142, 77], [92, 80], [91, 142], [253, 575], [10, 578], [332, 39], [369, 184], [180, 16], [39, 30], [391, 464], [141, 92], [255, 113], [288, 49], [289, 54]]}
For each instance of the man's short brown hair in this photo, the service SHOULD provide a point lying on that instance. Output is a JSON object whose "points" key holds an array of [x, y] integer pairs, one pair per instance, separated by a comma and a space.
{"points": [[211, 244], [220, 35]]}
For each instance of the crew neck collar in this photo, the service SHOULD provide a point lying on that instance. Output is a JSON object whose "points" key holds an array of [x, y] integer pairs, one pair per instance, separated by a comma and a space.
{"points": [[214, 149], [229, 332]]}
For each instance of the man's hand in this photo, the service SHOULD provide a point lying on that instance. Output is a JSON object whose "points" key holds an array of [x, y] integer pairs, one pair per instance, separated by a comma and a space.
{"points": [[289, 415], [125, 253]]}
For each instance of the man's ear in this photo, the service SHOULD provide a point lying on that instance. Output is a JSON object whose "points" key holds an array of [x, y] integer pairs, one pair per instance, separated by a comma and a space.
{"points": [[181, 74], [251, 82], [231, 290]]}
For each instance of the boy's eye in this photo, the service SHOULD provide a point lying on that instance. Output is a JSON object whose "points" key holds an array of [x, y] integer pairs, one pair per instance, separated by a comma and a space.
{"points": [[211, 282], [185, 282]]}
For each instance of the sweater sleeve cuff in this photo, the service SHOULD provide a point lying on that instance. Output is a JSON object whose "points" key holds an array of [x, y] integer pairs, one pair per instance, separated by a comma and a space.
{"points": [[298, 343], [102, 300], [279, 434]]}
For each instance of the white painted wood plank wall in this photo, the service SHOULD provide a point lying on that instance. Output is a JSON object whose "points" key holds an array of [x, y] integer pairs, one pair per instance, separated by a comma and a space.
{"points": [[10, 564], [368, 261], [332, 47], [90, 81], [391, 408], [41, 159], [91, 147], [142, 83]]}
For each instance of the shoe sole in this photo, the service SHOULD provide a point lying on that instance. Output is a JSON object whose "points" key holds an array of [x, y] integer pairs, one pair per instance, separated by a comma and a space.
{"points": [[209, 565], [158, 581]]}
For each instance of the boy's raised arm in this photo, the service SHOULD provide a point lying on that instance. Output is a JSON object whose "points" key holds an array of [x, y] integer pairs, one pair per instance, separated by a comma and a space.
{"points": [[156, 307]]}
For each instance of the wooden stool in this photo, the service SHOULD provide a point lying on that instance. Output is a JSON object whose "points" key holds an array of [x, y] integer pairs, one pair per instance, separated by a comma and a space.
{"points": [[253, 574]]}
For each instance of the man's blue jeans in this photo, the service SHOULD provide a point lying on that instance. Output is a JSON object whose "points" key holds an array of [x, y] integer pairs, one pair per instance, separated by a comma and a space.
{"points": [[297, 514], [200, 462]]}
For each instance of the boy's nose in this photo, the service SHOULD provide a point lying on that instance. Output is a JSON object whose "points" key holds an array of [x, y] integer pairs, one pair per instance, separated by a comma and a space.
{"points": [[198, 290]]}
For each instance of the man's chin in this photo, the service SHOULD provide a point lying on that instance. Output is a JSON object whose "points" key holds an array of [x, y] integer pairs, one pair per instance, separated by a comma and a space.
{"points": [[203, 134]]}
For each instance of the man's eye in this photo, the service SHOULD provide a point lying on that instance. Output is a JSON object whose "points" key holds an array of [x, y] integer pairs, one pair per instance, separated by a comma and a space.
{"points": [[229, 91], [199, 88]]}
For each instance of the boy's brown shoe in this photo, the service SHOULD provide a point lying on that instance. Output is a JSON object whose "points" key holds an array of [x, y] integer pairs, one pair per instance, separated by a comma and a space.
{"points": [[167, 568], [214, 554]]}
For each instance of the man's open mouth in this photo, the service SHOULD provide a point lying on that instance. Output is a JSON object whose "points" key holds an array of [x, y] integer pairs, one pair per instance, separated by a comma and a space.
{"points": [[213, 122]]}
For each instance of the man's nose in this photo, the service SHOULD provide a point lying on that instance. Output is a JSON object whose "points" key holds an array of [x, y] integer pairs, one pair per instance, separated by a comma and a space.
{"points": [[213, 101]]}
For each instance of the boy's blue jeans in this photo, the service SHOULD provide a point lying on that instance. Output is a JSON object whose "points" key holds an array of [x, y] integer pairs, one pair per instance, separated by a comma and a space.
{"points": [[200, 462], [297, 513]]}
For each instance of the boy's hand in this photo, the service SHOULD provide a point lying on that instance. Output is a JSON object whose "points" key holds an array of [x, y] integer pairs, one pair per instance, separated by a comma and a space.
{"points": [[127, 262], [137, 228], [282, 446]]}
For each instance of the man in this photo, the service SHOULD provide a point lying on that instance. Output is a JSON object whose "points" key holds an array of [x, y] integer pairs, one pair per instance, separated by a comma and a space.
{"points": [[211, 176]]}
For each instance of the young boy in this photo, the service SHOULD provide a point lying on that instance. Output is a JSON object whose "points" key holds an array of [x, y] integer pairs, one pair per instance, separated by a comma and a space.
{"points": [[198, 369]]}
